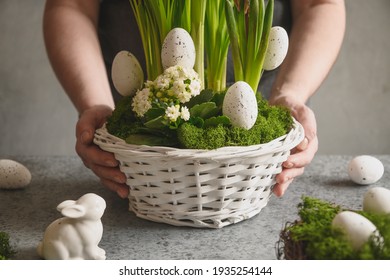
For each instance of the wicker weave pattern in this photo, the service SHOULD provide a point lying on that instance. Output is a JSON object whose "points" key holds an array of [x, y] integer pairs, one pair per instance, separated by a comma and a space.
{"points": [[200, 188]]}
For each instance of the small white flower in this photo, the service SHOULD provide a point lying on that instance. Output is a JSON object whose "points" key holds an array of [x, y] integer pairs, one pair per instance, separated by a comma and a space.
{"points": [[179, 86], [184, 96], [162, 82], [180, 90], [195, 87], [185, 113], [173, 72], [141, 103], [189, 73], [172, 112], [149, 84]]}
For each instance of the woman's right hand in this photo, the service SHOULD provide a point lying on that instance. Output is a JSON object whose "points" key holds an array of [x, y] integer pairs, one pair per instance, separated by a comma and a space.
{"points": [[102, 163]]}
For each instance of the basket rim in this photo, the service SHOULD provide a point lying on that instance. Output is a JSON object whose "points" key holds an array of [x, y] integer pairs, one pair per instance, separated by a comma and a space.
{"points": [[285, 142]]}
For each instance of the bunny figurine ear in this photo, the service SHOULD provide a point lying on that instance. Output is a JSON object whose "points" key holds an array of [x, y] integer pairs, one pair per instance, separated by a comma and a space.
{"points": [[65, 204], [73, 211]]}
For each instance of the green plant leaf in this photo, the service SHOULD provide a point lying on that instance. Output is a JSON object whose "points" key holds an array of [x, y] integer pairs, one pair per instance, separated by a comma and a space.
{"points": [[205, 110], [150, 140], [157, 123], [204, 96], [196, 121], [218, 98], [154, 113], [214, 121]]}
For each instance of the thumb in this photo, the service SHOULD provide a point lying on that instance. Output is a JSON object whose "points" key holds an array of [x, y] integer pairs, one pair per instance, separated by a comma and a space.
{"points": [[89, 121], [303, 145], [85, 128]]}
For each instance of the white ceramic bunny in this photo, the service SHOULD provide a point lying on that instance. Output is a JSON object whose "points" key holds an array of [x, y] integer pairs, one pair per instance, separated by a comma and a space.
{"points": [[77, 234]]}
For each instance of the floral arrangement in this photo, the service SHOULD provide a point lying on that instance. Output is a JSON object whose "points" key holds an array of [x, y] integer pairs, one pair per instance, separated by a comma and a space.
{"points": [[184, 102], [176, 86]]}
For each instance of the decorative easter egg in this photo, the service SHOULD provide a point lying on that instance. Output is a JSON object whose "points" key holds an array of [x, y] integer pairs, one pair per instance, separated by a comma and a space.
{"points": [[178, 49], [127, 75], [13, 175], [277, 48], [365, 170], [240, 105], [377, 200], [356, 228]]}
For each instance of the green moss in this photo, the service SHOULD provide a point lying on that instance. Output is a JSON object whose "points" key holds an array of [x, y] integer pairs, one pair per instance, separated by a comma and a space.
{"points": [[122, 122], [6, 251], [272, 122], [314, 232], [193, 137]]}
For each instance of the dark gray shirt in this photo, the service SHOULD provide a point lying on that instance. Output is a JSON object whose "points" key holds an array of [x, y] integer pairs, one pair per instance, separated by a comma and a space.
{"points": [[118, 31]]}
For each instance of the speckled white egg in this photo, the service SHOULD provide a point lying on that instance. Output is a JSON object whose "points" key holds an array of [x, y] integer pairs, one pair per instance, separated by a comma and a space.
{"points": [[178, 49], [127, 74], [13, 175], [365, 170], [377, 200], [240, 105], [357, 229], [277, 48]]}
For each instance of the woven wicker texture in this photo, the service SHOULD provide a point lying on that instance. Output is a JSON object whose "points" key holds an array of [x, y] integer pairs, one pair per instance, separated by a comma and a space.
{"points": [[200, 188]]}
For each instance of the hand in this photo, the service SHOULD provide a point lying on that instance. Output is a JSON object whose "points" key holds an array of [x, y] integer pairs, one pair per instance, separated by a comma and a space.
{"points": [[102, 163], [302, 154]]}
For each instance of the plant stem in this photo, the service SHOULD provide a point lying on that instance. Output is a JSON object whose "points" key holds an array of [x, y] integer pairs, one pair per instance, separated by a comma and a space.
{"points": [[216, 45], [249, 37], [261, 53], [234, 40], [198, 9]]}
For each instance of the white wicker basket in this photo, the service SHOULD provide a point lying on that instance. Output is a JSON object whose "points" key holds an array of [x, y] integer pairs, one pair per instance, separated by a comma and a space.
{"points": [[200, 188]]}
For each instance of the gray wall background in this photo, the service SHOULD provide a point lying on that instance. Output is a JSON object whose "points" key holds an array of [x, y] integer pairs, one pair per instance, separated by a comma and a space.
{"points": [[37, 118]]}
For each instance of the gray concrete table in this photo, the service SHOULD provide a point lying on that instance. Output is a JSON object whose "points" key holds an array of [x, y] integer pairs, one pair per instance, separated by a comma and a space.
{"points": [[25, 214]]}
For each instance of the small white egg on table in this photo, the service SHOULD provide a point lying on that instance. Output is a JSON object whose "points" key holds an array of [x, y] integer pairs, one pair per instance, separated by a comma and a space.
{"points": [[377, 200], [365, 170], [13, 175]]}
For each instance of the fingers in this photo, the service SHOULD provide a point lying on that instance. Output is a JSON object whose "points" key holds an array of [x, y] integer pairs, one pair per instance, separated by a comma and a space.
{"points": [[102, 163], [303, 154], [294, 166], [109, 173], [93, 155], [280, 189], [121, 189], [303, 145], [105, 166], [284, 179], [89, 121]]}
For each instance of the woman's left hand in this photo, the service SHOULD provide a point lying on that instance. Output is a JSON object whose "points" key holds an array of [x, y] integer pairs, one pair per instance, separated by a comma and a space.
{"points": [[302, 154]]}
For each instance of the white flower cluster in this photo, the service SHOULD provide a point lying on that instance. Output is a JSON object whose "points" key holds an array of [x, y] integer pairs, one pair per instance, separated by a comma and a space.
{"points": [[177, 85], [142, 102], [174, 111]]}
